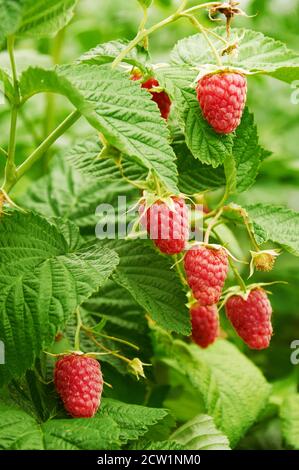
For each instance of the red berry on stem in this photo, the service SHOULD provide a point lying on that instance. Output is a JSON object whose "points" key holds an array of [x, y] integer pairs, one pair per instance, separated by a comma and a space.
{"points": [[206, 270], [251, 318], [167, 226], [222, 97], [162, 99], [205, 324], [79, 382]]}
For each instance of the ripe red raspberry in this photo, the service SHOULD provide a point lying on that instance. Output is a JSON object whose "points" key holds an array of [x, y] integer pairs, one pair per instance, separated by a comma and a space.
{"points": [[162, 99], [206, 269], [79, 382], [205, 324], [222, 98], [251, 318], [168, 228]]}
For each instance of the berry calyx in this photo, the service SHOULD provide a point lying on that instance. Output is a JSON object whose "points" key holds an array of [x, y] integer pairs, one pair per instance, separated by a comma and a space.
{"points": [[205, 324], [161, 98], [263, 260], [251, 317], [222, 98], [167, 224], [206, 270], [79, 382]]}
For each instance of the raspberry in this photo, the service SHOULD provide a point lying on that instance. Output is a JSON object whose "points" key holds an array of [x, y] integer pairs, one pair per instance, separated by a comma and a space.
{"points": [[251, 318], [206, 269], [222, 98], [205, 324], [78, 380], [162, 99], [168, 228]]}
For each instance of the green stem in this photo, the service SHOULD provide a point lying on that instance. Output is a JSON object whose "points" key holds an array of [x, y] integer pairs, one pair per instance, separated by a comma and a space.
{"points": [[202, 5], [10, 49], [10, 168], [237, 275], [43, 147], [141, 35], [112, 338], [179, 271], [113, 353], [49, 122], [202, 30], [78, 330], [212, 225], [3, 152]]}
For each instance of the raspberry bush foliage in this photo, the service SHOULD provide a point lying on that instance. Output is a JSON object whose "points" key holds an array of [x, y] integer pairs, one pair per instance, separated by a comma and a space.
{"points": [[175, 334]]}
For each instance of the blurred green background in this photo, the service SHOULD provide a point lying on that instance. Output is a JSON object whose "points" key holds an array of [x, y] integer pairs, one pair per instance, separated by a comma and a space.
{"points": [[276, 117]]}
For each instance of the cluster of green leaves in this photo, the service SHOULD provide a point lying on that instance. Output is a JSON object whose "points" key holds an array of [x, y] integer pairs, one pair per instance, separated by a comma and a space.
{"points": [[51, 263]]}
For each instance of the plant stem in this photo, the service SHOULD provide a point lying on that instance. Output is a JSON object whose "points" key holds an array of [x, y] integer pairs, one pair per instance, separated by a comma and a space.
{"points": [[237, 275], [113, 338], [202, 30], [3, 152], [141, 35], [211, 225], [202, 5], [10, 49], [49, 122], [78, 330], [179, 270], [43, 147], [10, 168], [113, 353]]}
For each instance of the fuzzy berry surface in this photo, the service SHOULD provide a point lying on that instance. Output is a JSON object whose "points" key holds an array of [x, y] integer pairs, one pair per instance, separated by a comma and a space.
{"points": [[79, 382], [162, 99], [167, 226], [206, 270], [251, 318], [222, 98], [205, 324]]}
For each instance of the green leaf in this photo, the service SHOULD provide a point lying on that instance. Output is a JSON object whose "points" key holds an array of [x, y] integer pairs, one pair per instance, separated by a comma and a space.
{"points": [[42, 282], [276, 224], [205, 144], [107, 52], [245, 161], [164, 445], [85, 157], [145, 3], [148, 277], [67, 193], [194, 176], [98, 433], [41, 18], [247, 153], [133, 420], [289, 414], [256, 54], [10, 14], [115, 424], [232, 388], [115, 106], [18, 430], [200, 434]]}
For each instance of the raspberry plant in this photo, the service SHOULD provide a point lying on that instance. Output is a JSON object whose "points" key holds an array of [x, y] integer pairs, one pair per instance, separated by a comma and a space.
{"points": [[164, 135]]}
